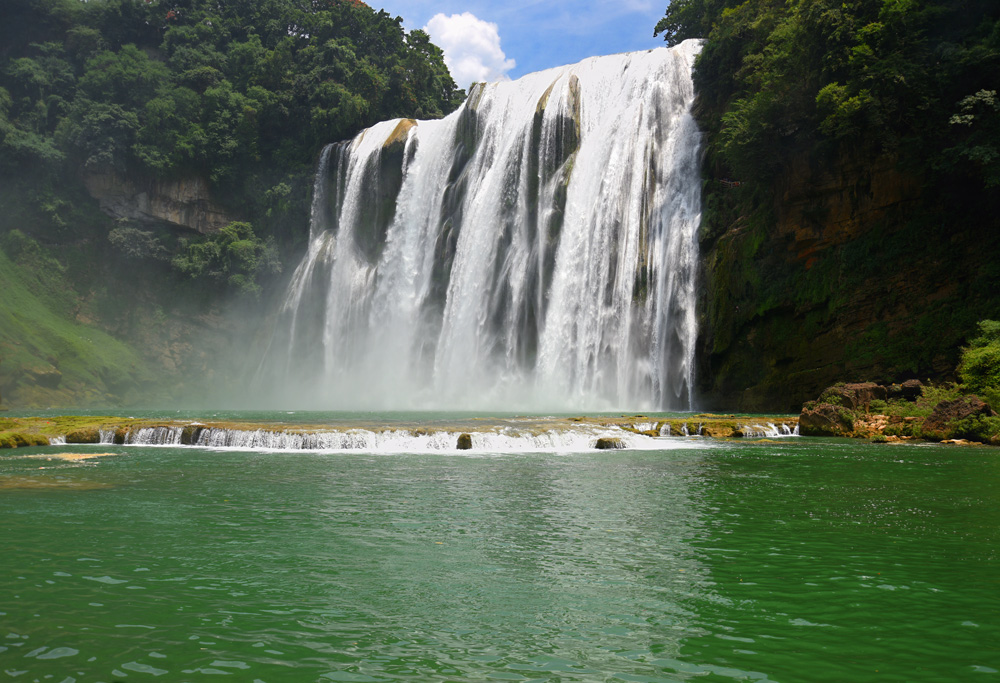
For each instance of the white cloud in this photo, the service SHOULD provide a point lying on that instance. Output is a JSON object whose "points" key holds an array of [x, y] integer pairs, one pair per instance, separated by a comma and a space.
{"points": [[471, 48]]}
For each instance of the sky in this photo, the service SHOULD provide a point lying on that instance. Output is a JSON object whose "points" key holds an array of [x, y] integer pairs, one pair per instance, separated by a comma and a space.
{"points": [[488, 40]]}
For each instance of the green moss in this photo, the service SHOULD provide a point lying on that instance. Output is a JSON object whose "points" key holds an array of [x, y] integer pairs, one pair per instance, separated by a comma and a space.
{"points": [[49, 358]]}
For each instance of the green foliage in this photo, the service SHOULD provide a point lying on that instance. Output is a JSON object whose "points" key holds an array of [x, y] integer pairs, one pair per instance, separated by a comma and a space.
{"points": [[906, 76], [979, 368], [241, 93], [234, 255], [137, 244], [47, 356], [976, 428]]}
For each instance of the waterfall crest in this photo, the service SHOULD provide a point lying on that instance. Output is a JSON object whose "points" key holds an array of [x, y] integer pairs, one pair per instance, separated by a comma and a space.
{"points": [[535, 250]]}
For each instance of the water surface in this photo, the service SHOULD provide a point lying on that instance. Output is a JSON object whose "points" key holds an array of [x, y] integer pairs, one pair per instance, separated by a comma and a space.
{"points": [[798, 560]]}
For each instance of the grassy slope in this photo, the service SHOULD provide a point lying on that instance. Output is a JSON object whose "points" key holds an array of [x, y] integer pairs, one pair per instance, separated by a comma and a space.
{"points": [[46, 357]]}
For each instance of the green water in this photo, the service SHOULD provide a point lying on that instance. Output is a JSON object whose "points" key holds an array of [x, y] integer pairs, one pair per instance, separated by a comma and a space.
{"points": [[801, 560]]}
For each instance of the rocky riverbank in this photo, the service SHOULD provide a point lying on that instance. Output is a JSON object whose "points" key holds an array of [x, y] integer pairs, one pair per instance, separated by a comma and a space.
{"points": [[901, 412]]}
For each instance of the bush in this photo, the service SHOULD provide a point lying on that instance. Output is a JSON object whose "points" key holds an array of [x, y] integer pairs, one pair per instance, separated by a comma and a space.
{"points": [[976, 428], [979, 368], [234, 255], [980, 365]]}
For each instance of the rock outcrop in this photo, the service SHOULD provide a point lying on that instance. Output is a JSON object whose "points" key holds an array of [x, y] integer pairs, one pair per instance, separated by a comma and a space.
{"points": [[951, 419], [857, 271], [826, 419], [185, 203]]}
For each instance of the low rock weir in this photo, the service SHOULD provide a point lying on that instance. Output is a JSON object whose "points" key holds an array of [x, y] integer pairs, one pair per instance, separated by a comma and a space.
{"points": [[535, 248], [495, 440]]}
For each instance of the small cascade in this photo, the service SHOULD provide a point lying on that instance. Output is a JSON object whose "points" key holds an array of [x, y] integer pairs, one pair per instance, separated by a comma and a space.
{"points": [[154, 436], [769, 430], [535, 248], [498, 439]]}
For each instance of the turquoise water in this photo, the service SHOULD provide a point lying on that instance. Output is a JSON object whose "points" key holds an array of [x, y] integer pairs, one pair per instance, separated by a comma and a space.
{"points": [[798, 560]]}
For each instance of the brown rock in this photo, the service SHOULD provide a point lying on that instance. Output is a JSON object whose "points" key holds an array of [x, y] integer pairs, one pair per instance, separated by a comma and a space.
{"points": [[609, 443], [912, 389], [941, 424], [855, 396], [464, 442], [825, 419], [84, 436]]}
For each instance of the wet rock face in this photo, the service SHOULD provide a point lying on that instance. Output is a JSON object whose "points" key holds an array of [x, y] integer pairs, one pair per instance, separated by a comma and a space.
{"points": [[606, 443], [826, 419], [185, 203], [855, 276], [943, 422]]}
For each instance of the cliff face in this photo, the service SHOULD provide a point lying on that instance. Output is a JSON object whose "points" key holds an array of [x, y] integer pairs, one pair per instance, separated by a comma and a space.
{"points": [[862, 274], [184, 203]]}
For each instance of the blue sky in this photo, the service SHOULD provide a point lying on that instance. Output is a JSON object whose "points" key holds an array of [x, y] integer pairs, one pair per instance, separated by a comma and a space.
{"points": [[486, 40]]}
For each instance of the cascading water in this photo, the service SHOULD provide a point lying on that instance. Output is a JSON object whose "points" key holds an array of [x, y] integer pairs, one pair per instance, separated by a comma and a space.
{"points": [[535, 249]]}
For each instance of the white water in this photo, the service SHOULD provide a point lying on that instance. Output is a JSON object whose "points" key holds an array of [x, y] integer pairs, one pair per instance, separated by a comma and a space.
{"points": [[580, 438], [770, 430], [534, 249]]}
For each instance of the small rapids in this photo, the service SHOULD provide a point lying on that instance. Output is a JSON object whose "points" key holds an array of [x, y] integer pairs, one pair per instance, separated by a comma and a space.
{"points": [[497, 440]]}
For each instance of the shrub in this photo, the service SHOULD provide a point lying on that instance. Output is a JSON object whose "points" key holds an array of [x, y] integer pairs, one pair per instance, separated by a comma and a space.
{"points": [[979, 368]]}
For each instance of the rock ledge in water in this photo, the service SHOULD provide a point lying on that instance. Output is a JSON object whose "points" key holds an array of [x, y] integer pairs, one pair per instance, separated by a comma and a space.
{"points": [[609, 443]]}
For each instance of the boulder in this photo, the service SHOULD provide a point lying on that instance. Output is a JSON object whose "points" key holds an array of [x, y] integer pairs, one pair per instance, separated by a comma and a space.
{"points": [[464, 442], [943, 422], [84, 436], [609, 443], [854, 396], [825, 419], [912, 389]]}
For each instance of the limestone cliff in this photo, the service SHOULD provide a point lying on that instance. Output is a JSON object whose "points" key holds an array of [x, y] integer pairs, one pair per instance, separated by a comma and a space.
{"points": [[184, 202], [859, 273]]}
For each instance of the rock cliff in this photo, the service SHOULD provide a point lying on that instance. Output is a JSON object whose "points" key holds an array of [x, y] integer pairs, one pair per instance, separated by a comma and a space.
{"points": [[859, 272], [184, 202]]}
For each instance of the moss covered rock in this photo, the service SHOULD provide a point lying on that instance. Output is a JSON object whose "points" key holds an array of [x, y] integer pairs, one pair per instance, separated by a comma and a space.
{"points": [[609, 443], [89, 435], [826, 419], [968, 417]]}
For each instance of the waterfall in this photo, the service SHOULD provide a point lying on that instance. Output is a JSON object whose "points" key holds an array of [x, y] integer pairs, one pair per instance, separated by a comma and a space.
{"points": [[534, 250]]}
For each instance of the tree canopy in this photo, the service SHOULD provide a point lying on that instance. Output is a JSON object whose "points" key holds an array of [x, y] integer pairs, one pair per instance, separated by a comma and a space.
{"points": [[916, 78], [172, 86]]}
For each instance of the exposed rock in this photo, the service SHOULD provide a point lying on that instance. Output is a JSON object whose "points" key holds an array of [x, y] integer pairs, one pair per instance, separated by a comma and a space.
{"points": [[845, 283], [609, 443], [464, 442], [190, 434], [84, 436], [854, 396], [912, 389], [942, 423], [825, 419], [185, 203]]}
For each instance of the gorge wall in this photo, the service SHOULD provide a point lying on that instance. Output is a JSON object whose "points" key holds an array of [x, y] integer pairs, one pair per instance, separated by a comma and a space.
{"points": [[863, 272]]}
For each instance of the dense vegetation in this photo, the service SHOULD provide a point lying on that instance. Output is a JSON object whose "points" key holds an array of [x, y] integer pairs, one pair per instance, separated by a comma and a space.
{"points": [[243, 93], [893, 104], [912, 77], [240, 95]]}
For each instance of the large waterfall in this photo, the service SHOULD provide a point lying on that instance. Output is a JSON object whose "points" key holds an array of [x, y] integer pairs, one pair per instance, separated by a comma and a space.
{"points": [[535, 250]]}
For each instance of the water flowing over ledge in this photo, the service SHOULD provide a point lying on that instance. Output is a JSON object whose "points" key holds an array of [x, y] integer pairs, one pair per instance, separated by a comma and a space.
{"points": [[535, 434], [535, 248]]}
